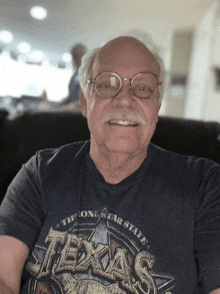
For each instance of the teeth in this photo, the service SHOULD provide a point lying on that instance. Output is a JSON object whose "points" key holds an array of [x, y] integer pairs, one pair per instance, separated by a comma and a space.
{"points": [[123, 122]]}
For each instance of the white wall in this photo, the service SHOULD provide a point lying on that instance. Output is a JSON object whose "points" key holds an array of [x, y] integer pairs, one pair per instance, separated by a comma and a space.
{"points": [[19, 78], [198, 105], [179, 64], [213, 99]]}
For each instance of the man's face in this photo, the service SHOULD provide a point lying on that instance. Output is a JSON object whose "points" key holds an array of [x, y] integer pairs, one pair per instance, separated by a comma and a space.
{"points": [[126, 57]]}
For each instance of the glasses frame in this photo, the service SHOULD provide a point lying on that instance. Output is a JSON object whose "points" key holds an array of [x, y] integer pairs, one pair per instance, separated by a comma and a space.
{"points": [[90, 81]]}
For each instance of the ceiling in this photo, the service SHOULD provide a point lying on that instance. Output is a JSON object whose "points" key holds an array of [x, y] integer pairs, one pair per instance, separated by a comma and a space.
{"points": [[94, 21]]}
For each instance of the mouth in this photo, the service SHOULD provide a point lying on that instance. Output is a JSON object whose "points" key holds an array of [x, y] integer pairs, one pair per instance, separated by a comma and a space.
{"points": [[123, 122]]}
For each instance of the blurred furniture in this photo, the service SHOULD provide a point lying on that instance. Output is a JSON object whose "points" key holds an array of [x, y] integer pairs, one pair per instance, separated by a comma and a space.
{"points": [[23, 135]]}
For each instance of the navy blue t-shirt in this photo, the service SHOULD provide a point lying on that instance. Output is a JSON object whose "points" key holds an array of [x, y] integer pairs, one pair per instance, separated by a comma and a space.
{"points": [[157, 231]]}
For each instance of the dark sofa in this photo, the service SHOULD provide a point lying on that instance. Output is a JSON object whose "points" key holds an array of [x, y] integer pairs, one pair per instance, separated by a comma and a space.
{"points": [[23, 135]]}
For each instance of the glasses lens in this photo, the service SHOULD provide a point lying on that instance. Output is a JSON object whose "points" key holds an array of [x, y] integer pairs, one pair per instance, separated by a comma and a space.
{"points": [[144, 85], [107, 85]]}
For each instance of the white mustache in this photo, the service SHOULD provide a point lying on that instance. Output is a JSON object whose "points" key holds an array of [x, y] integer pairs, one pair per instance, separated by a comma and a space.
{"points": [[124, 115]]}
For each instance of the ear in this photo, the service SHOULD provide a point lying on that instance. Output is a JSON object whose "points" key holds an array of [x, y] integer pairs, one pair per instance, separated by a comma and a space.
{"points": [[83, 103]]}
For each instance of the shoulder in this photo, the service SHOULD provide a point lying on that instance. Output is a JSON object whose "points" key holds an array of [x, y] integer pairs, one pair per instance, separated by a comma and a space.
{"points": [[189, 170], [165, 156], [57, 160], [68, 151], [45, 172]]}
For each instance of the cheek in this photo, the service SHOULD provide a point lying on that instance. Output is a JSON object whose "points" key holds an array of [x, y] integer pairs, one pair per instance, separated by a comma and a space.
{"points": [[151, 113], [90, 106], [90, 102], [97, 106], [95, 114]]}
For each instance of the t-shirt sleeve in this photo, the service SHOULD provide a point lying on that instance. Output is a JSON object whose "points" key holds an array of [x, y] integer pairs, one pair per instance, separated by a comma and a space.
{"points": [[22, 211], [207, 228]]}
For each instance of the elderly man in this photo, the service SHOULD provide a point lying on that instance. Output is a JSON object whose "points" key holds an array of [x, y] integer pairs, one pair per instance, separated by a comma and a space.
{"points": [[116, 214]]}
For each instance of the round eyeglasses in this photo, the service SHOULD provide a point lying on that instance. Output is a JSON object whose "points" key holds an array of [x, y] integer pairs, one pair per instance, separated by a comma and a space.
{"points": [[108, 84]]}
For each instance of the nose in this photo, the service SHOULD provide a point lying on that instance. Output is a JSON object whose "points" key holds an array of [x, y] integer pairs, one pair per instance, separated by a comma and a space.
{"points": [[125, 97]]}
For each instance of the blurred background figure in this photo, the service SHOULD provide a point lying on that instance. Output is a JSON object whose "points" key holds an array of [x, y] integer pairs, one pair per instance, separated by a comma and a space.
{"points": [[77, 53]]}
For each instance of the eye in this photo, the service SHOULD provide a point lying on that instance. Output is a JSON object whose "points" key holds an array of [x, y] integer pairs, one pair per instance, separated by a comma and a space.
{"points": [[143, 88], [105, 85]]}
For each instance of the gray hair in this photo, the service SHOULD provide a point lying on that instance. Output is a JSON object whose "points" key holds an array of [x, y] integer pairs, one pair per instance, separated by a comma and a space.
{"points": [[85, 70]]}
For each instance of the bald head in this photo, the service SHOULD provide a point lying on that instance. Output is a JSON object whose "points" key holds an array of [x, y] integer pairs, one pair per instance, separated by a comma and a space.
{"points": [[120, 44], [124, 51], [125, 54]]}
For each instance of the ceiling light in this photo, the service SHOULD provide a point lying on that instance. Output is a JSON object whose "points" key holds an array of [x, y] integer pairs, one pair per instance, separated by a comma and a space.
{"points": [[24, 47], [38, 12], [6, 37], [37, 56], [67, 57]]}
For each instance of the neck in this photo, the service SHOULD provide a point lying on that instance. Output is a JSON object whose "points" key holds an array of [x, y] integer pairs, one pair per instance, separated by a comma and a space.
{"points": [[116, 166]]}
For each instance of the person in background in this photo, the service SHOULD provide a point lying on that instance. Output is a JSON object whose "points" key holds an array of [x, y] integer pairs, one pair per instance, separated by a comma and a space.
{"points": [[116, 214], [77, 53]]}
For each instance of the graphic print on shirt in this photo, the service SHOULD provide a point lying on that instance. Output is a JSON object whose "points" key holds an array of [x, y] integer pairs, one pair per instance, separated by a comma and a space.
{"points": [[90, 252]]}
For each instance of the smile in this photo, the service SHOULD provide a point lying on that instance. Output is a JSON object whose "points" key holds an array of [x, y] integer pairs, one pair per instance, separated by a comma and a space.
{"points": [[123, 122]]}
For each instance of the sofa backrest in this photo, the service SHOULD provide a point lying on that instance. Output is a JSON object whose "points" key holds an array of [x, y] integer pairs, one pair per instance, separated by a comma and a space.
{"points": [[22, 136], [189, 137]]}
